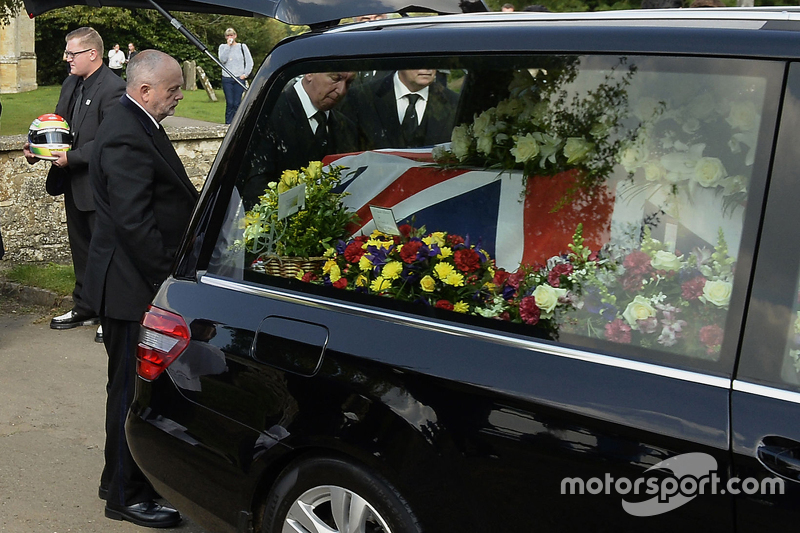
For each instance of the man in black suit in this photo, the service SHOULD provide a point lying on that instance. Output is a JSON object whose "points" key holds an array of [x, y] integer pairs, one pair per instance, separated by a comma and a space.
{"points": [[144, 200], [87, 95], [386, 118], [303, 127]]}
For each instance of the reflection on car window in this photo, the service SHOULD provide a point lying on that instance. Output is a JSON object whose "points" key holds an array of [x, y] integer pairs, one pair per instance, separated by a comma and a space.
{"points": [[588, 199]]}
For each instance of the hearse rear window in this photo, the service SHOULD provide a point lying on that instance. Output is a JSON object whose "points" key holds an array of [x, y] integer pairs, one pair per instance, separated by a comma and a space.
{"points": [[592, 200]]}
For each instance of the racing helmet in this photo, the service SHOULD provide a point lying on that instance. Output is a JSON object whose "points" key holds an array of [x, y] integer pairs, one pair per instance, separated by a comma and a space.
{"points": [[49, 133]]}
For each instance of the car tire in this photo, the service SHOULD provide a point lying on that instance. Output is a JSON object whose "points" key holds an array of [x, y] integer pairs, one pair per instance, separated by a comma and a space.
{"points": [[306, 493]]}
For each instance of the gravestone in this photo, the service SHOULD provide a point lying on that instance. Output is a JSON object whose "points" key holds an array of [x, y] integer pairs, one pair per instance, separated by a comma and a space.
{"points": [[207, 84]]}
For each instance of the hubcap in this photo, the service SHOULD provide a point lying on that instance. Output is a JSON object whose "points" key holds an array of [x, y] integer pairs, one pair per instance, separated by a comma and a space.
{"points": [[330, 509]]}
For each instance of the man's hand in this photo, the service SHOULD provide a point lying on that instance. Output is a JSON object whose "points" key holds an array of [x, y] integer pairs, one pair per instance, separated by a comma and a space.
{"points": [[61, 162], [26, 151]]}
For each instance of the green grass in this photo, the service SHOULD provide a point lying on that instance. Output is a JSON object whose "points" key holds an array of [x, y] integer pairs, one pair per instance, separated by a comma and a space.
{"points": [[20, 109], [57, 278]]}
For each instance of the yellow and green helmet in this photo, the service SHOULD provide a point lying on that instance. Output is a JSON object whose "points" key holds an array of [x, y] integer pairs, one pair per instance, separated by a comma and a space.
{"points": [[49, 133]]}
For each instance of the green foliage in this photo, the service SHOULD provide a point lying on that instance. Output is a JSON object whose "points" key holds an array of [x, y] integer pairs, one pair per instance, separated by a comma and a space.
{"points": [[8, 9], [57, 278], [148, 29]]}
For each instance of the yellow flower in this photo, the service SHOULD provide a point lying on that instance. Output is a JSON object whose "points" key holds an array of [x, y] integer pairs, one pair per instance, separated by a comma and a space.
{"points": [[361, 281], [364, 263], [330, 252], [445, 251], [455, 279], [442, 270], [461, 307], [379, 243], [436, 238], [314, 170], [380, 284], [392, 270], [335, 273], [428, 284], [289, 179], [326, 268]]}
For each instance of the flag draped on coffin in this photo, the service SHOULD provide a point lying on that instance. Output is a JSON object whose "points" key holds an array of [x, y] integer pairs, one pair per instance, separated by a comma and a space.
{"points": [[485, 206]]}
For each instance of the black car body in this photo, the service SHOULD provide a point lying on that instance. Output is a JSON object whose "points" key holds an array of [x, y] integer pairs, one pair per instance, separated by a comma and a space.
{"points": [[470, 422]]}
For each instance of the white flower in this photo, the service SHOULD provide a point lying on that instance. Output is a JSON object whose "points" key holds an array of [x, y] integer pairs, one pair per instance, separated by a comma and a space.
{"points": [[654, 171], [691, 125], [717, 292], [635, 155], [460, 142], [525, 148], [547, 297], [486, 143], [638, 309], [483, 122], [743, 116], [702, 106], [734, 184], [510, 107], [680, 166], [577, 149], [709, 171], [666, 261]]}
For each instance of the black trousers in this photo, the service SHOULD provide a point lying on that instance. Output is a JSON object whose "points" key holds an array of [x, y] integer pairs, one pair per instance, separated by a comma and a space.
{"points": [[126, 483], [80, 225]]}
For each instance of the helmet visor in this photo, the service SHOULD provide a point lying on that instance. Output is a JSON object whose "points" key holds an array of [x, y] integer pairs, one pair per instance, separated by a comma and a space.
{"points": [[50, 137]]}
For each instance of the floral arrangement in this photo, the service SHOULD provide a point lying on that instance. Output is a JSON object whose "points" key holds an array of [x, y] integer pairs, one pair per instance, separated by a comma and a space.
{"points": [[438, 269], [322, 221], [537, 129], [706, 142], [648, 296]]}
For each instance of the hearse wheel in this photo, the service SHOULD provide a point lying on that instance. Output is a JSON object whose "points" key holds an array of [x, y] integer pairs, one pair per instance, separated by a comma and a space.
{"points": [[324, 495]]}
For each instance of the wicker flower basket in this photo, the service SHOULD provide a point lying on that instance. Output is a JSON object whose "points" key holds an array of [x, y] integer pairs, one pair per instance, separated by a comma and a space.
{"points": [[287, 267]]}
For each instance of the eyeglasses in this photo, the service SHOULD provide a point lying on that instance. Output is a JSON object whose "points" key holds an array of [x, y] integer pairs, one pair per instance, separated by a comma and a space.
{"points": [[71, 55]]}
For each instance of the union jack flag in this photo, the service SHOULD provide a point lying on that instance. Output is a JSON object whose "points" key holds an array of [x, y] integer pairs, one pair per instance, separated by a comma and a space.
{"points": [[514, 223]]}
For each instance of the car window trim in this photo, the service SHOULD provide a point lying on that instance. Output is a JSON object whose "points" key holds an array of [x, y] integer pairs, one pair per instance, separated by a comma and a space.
{"points": [[452, 329], [765, 391]]}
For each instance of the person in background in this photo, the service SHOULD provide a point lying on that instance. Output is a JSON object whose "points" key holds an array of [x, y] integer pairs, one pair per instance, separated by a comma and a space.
{"points": [[144, 201], [131, 52], [87, 95], [507, 8], [237, 59], [116, 58]]}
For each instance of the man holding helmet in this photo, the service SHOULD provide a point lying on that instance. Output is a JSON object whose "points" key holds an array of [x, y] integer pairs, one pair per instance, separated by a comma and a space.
{"points": [[87, 94]]}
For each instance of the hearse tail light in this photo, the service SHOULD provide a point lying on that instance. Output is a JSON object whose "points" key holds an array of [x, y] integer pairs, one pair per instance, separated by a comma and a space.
{"points": [[163, 337]]}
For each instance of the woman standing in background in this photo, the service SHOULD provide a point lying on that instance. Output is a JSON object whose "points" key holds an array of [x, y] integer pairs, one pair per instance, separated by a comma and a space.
{"points": [[237, 59]]}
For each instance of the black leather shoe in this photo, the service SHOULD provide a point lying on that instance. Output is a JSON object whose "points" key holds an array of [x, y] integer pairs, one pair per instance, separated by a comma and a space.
{"points": [[71, 319], [102, 492], [147, 514]]}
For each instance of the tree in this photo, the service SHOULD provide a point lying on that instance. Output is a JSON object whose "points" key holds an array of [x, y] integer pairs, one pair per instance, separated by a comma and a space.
{"points": [[9, 9], [146, 28]]}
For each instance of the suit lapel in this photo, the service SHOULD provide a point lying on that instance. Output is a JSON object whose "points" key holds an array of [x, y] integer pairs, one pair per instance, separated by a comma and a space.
{"points": [[386, 107]]}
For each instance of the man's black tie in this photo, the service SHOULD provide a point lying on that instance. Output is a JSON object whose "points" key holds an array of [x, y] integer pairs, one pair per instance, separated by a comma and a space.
{"points": [[410, 122], [321, 135], [76, 106]]}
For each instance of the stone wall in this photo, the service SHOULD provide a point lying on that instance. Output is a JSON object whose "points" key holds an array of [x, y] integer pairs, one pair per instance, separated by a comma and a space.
{"points": [[33, 223]]}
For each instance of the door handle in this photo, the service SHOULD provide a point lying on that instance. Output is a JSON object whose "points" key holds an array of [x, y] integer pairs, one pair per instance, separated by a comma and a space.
{"points": [[780, 456]]}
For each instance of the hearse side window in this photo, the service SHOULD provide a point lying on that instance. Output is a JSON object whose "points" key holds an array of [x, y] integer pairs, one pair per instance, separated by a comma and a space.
{"points": [[592, 200]]}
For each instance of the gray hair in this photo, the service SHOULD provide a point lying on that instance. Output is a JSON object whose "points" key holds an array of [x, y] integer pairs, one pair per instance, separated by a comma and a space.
{"points": [[146, 67]]}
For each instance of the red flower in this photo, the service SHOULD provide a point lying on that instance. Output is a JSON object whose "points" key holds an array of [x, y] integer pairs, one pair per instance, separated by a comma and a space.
{"points": [[711, 336], [500, 277], [618, 331], [693, 289], [515, 278], [467, 260], [554, 277], [341, 283], [409, 251], [308, 277], [353, 252], [632, 282], [455, 240], [405, 230], [638, 263], [444, 304], [529, 311], [361, 239]]}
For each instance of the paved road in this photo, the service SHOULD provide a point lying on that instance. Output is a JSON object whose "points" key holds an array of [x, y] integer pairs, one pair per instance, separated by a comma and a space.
{"points": [[52, 398]]}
